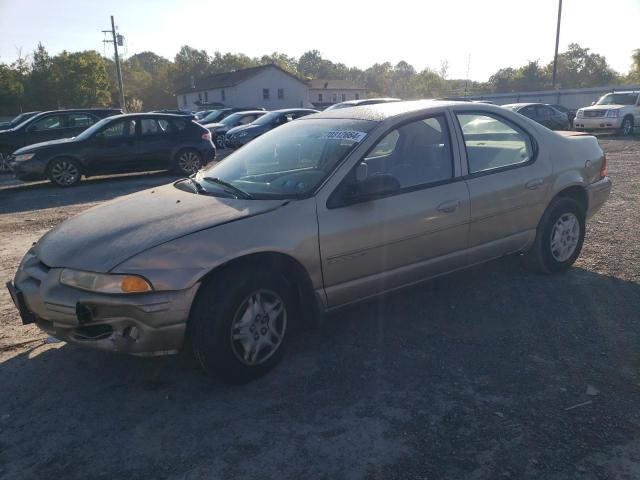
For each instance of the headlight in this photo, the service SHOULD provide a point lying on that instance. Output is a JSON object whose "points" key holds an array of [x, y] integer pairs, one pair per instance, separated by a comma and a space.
{"points": [[23, 157], [104, 283], [580, 113], [612, 113]]}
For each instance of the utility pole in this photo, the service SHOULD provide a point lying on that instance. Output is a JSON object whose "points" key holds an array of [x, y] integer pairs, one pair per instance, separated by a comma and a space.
{"points": [[555, 56], [466, 83], [115, 41]]}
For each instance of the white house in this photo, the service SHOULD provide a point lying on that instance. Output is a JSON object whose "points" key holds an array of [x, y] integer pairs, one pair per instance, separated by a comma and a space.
{"points": [[267, 86], [323, 92]]}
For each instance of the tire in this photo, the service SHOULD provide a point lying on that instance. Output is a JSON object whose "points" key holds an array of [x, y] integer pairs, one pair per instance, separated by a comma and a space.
{"points": [[232, 334], [627, 126], [559, 237], [4, 164], [188, 161], [64, 172]]}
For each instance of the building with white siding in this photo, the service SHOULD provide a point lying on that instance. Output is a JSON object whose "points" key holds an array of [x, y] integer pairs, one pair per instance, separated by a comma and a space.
{"points": [[267, 86], [325, 92]]}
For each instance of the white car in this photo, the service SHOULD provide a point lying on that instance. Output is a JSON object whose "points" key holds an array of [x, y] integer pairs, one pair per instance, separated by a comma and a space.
{"points": [[618, 111]]}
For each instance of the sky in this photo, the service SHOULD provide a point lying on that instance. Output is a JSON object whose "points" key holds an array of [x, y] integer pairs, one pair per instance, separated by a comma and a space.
{"points": [[483, 35]]}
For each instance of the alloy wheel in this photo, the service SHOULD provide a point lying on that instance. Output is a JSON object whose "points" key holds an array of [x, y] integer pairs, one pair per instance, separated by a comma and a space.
{"points": [[65, 173], [565, 237], [627, 127], [258, 327], [4, 163], [189, 162]]}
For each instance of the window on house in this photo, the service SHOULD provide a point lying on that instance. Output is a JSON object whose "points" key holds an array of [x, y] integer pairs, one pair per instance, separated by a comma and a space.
{"points": [[281, 94], [223, 95], [265, 94], [334, 97], [344, 97], [206, 97], [184, 100], [319, 97], [357, 96]]}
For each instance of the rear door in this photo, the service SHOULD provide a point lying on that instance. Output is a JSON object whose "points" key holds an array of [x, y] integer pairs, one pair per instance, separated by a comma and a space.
{"points": [[155, 143], [113, 149], [507, 180], [379, 244]]}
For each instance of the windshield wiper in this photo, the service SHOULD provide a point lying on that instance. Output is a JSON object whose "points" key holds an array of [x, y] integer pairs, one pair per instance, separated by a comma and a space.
{"points": [[237, 191]]}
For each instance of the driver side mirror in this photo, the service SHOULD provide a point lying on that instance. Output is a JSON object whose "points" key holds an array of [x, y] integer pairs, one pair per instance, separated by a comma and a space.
{"points": [[374, 186]]}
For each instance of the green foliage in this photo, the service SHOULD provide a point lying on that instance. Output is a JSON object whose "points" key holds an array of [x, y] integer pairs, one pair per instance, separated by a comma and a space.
{"points": [[87, 79]]}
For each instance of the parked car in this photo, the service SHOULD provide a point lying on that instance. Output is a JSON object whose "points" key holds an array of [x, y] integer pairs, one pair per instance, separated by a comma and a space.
{"points": [[219, 130], [571, 113], [14, 122], [543, 114], [49, 126], [123, 143], [618, 111], [185, 113], [202, 113], [239, 136], [320, 213], [216, 116], [359, 103]]}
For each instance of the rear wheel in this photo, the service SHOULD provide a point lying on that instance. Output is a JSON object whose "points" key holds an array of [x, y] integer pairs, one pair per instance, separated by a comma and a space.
{"points": [[188, 162], [64, 172], [627, 126], [238, 332], [559, 237]]}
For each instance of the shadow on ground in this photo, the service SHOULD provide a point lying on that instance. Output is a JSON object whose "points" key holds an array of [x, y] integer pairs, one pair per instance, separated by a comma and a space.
{"points": [[467, 376]]}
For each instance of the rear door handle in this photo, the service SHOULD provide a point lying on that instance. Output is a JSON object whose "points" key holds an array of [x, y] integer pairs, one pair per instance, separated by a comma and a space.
{"points": [[533, 184], [449, 207]]}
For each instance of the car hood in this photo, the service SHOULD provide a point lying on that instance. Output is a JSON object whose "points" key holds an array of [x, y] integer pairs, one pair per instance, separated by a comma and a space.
{"points": [[41, 145], [605, 107], [251, 129], [103, 237]]}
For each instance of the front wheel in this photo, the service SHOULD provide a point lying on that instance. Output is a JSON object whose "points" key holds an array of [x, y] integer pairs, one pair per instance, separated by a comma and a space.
{"points": [[64, 172], [627, 126], [239, 324], [559, 237]]}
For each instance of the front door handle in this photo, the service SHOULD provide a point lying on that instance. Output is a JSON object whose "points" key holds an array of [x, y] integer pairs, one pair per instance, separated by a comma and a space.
{"points": [[533, 184], [449, 207]]}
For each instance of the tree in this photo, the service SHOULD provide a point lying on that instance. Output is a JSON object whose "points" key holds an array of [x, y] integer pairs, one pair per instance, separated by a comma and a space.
{"points": [[11, 90], [190, 64], [578, 68], [634, 72], [81, 79]]}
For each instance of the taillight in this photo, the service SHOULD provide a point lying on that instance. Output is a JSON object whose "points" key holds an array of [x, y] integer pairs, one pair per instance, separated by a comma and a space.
{"points": [[206, 136], [603, 166]]}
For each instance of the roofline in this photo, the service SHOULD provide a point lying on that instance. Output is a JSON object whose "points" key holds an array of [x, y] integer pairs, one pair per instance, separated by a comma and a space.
{"points": [[183, 90]]}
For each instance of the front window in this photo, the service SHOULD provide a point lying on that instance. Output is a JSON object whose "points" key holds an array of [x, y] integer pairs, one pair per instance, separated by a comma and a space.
{"points": [[493, 143], [239, 118], [213, 117], [289, 161], [618, 99], [119, 129], [52, 122]]}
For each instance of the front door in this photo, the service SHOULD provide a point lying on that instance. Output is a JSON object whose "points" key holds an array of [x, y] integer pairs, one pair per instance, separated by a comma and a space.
{"points": [[377, 244], [50, 127], [113, 149], [508, 177]]}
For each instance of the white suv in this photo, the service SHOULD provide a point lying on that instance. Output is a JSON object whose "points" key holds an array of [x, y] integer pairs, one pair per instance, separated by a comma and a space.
{"points": [[614, 111]]}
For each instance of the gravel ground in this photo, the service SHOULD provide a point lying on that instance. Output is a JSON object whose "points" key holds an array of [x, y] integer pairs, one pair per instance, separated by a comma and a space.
{"points": [[486, 374]]}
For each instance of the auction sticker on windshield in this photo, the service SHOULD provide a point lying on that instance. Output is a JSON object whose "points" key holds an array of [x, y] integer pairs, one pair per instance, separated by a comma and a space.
{"points": [[343, 135]]}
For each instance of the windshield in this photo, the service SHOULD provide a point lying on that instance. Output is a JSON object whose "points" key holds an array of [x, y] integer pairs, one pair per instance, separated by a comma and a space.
{"points": [[513, 107], [93, 128], [618, 99], [267, 118], [213, 117], [289, 161]]}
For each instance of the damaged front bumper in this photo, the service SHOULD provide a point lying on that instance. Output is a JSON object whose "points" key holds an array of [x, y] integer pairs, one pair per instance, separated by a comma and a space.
{"points": [[145, 324]]}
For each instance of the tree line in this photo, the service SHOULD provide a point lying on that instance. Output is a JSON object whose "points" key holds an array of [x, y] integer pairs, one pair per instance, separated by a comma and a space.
{"points": [[40, 81]]}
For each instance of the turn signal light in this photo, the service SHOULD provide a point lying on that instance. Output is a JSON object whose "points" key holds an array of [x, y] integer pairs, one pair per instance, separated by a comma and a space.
{"points": [[603, 166], [132, 284]]}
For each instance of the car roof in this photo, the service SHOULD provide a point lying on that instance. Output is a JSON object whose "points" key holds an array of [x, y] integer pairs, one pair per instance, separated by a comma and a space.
{"points": [[379, 112], [634, 92], [522, 104], [287, 110]]}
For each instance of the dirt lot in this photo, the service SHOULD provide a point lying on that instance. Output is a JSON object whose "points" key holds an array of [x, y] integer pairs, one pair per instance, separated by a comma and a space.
{"points": [[487, 374]]}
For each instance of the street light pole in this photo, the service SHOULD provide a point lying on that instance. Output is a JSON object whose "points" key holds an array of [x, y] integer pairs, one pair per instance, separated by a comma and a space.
{"points": [[555, 56]]}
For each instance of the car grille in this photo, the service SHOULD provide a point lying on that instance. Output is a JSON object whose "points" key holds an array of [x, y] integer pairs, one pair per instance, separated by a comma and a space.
{"points": [[594, 113], [34, 268]]}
